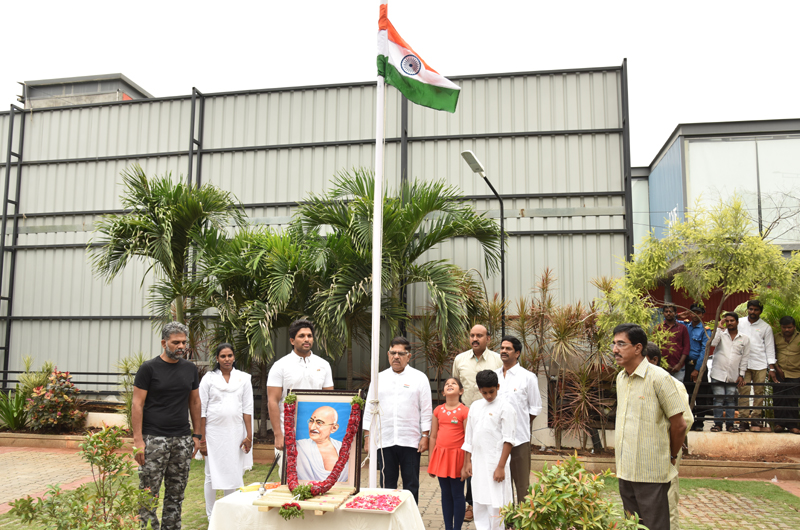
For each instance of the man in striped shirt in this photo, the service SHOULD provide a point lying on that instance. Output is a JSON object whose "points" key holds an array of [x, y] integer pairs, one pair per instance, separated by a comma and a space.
{"points": [[650, 429]]}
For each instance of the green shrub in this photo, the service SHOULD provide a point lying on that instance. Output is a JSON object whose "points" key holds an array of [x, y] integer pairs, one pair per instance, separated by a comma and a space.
{"points": [[567, 497], [129, 366], [111, 501], [54, 407], [31, 380], [13, 412]]}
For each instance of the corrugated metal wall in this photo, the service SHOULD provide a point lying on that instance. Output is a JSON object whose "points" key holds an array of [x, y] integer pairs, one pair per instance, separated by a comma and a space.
{"points": [[552, 144]]}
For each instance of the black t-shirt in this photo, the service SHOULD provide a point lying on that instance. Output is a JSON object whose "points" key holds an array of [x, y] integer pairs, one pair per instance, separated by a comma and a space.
{"points": [[168, 387]]}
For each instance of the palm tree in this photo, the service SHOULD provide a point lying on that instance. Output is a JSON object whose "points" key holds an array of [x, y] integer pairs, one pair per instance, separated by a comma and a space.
{"points": [[257, 282], [419, 217], [162, 220]]}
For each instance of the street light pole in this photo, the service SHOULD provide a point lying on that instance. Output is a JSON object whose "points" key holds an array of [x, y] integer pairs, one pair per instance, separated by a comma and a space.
{"points": [[477, 167]]}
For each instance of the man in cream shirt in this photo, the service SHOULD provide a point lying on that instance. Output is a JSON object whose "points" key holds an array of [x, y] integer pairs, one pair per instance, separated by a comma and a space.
{"points": [[404, 424]]}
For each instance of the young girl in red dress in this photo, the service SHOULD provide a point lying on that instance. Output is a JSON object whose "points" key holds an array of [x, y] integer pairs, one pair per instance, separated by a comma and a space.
{"points": [[446, 456]]}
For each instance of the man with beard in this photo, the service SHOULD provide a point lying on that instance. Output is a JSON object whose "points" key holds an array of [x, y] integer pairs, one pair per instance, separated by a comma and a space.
{"points": [[164, 388], [317, 454]]}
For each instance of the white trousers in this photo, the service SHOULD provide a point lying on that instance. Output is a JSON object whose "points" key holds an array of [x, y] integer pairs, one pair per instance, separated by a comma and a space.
{"points": [[211, 493], [486, 517]]}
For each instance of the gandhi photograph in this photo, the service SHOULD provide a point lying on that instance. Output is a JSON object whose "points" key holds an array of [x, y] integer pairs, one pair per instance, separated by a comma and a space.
{"points": [[320, 430]]}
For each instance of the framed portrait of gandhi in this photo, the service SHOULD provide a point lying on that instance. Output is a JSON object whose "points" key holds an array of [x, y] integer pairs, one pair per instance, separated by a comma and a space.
{"points": [[321, 425]]}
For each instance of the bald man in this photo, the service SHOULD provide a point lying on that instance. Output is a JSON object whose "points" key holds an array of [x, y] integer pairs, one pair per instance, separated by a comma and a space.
{"points": [[317, 454]]}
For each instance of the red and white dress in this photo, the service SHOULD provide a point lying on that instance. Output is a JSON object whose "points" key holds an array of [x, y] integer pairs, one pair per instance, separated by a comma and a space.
{"points": [[447, 458]]}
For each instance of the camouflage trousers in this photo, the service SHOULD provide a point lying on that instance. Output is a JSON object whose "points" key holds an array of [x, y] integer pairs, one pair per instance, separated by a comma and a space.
{"points": [[167, 459]]}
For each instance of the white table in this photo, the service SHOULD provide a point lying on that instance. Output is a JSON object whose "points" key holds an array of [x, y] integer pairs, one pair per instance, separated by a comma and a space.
{"points": [[236, 512]]}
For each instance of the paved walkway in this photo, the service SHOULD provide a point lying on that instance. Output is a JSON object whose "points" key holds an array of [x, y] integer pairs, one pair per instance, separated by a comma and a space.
{"points": [[28, 471]]}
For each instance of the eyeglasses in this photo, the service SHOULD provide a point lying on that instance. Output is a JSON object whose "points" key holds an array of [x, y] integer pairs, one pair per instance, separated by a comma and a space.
{"points": [[319, 423], [620, 344], [397, 353]]}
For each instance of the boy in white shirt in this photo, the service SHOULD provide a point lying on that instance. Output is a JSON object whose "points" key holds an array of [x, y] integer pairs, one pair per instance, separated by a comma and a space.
{"points": [[488, 442]]}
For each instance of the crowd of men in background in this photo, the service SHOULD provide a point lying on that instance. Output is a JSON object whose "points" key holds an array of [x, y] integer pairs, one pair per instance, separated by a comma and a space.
{"points": [[745, 356]]}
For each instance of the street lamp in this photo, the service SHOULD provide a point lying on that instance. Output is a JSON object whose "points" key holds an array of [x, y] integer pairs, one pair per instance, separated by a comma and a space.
{"points": [[477, 167]]}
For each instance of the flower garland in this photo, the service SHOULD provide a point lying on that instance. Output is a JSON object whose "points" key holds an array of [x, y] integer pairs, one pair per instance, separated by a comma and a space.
{"points": [[306, 491], [290, 510]]}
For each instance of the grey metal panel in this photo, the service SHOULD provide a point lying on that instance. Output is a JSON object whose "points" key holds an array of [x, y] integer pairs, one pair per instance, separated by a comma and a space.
{"points": [[539, 164], [323, 115], [287, 174], [3, 142], [574, 259], [59, 282], [527, 103], [83, 346], [86, 185], [90, 131]]}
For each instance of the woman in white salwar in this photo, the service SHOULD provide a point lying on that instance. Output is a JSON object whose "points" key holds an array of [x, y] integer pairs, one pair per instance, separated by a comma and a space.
{"points": [[226, 395]]}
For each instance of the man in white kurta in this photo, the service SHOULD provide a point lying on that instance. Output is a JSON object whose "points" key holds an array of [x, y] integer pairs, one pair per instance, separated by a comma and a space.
{"points": [[319, 448], [223, 405], [520, 388], [488, 441], [300, 369], [404, 422]]}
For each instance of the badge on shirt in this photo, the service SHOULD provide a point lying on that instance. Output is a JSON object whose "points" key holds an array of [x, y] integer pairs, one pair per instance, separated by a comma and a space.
{"points": [[454, 420], [406, 385]]}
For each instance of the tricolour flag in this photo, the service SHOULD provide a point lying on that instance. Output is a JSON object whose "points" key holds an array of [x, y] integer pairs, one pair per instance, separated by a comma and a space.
{"points": [[405, 70]]}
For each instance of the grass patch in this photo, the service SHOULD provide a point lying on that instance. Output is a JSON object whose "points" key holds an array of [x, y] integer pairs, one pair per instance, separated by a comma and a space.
{"points": [[193, 515]]}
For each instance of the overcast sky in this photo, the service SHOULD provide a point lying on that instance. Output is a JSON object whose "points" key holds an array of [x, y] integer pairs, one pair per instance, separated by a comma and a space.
{"points": [[689, 61]]}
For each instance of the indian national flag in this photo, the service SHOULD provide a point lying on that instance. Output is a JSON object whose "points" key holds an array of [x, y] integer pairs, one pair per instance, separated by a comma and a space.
{"points": [[405, 70]]}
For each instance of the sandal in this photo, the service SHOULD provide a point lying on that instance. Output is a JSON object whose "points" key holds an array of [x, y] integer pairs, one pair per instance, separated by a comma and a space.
{"points": [[795, 431], [733, 429], [468, 515], [716, 428], [778, 428]]}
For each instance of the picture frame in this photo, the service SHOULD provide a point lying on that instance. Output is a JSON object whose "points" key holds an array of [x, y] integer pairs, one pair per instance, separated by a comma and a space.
{"points": [[316, 441]]}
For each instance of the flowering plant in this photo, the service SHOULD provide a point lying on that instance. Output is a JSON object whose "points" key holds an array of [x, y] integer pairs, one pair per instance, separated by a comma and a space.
{"points": [[306, 491], [290, 510], [54, 407]]}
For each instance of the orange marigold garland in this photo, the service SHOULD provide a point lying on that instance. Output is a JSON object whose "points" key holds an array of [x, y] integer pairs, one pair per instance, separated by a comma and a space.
{"points": [[313, 489]]}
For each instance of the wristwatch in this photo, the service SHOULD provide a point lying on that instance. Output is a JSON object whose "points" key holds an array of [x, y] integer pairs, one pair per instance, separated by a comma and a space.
{"points": [[425, 435], [198, 436]]}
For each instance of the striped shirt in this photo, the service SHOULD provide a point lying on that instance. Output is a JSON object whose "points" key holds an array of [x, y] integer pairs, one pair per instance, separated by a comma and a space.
{"points": [[466, 366], [646, 400]]}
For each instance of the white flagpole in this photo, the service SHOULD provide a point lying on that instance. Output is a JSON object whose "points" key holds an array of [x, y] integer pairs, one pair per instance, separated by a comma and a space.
{"points": [[377, 253]]}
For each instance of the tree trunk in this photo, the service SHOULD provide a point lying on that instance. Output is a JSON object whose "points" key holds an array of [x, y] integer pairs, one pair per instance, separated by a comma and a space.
{"points": [[262, 428], [349, 355], [180, 311]]}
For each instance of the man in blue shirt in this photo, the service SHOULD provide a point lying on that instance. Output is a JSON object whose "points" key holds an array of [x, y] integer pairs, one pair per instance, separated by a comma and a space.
{"points": [[698, 338]]}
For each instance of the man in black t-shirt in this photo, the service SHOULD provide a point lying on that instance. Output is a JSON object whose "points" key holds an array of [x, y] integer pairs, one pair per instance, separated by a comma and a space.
{"points": [[164, 444]]}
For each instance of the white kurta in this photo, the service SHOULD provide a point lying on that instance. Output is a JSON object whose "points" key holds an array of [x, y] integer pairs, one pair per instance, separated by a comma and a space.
{"points": [[222, 405], [489, 426], [309, 461]]}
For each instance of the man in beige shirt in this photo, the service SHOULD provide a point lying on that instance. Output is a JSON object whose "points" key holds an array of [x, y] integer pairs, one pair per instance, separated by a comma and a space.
{"points": [[649, 431], [653, 353], [787, 373], [466, 366]]}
